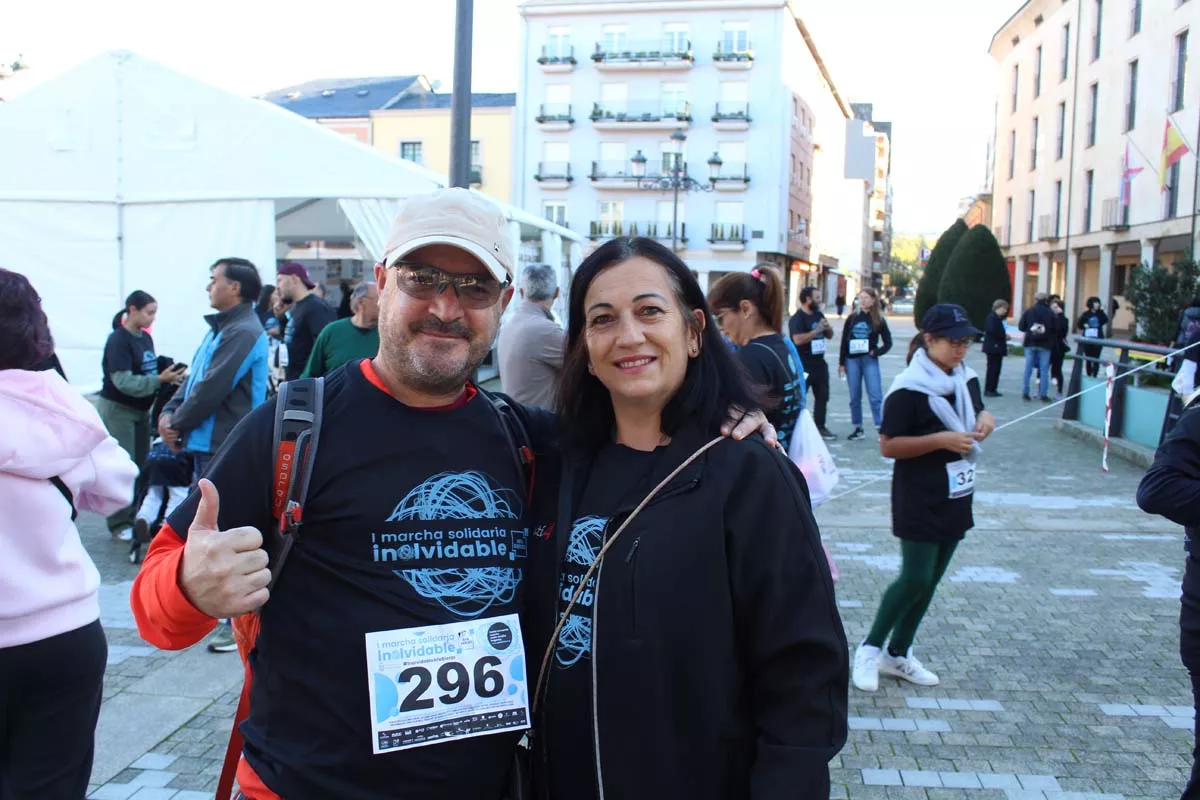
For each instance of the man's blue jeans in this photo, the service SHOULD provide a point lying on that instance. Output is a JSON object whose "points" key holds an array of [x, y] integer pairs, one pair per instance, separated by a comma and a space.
{"points": [[1039, 356], [859, 370]]}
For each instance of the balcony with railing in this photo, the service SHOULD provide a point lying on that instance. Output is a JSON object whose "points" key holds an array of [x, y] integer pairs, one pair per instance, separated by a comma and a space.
{"points": [[731, 176], [646, 115], [557, 58], [660, 231], [729, 57], [555, 117], [726, 237], [1047, 228], [731, 116], [1114, 215], [553, 175], [664, 54], [615, 175]]}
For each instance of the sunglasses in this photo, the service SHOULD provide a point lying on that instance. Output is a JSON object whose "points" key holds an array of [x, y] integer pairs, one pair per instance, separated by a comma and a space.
{"points": [[425, 282]]}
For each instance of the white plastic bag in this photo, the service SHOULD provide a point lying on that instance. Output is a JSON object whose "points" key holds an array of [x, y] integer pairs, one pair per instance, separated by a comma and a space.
{"points": [[809, 453]]}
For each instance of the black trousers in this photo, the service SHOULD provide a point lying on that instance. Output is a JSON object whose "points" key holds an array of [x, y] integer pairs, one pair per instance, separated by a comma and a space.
{"points": [[1189, 652], [1093, 367], [994, 364], [50, 695], [818, 381], [1056, 364]]}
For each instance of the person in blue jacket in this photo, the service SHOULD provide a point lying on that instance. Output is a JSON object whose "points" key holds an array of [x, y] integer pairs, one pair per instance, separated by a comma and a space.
{"points": [[228, 376]]}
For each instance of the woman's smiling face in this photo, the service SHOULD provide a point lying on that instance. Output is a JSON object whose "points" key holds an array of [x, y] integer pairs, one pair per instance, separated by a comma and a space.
{"points": [[638, 340]]}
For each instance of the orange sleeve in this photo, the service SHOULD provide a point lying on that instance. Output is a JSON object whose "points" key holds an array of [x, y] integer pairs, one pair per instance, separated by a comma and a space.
{"points": [[165, 617]]}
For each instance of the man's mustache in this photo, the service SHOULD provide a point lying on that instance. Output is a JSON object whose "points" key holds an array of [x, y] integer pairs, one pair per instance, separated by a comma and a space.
{"points": [[437, 326]]}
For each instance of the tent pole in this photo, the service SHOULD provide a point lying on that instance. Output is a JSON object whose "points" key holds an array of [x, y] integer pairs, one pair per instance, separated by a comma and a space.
{"points": [[460, 101]]}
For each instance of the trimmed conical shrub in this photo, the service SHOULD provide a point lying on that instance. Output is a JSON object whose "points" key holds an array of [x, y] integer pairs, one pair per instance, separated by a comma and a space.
{"points": [[935, 268], [976, 275]]}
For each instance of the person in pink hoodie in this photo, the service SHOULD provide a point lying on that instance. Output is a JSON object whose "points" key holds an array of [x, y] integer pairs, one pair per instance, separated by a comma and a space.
{"points": [[56, 458]]}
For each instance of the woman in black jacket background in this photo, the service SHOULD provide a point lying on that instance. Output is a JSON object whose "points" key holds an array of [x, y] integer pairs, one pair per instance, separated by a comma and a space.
{"points": [[1058, 351], [705, 657], [995, 346]]}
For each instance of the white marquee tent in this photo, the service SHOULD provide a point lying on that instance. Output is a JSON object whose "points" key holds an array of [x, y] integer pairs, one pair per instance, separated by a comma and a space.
{"points": [[123, 174]]}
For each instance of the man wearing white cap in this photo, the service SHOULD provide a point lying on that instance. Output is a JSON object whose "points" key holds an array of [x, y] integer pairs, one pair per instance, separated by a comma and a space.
{"points": [[389, 661]]}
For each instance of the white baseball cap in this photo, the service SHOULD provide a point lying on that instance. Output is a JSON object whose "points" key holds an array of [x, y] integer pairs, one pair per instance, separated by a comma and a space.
{"points": [[458, 218]]}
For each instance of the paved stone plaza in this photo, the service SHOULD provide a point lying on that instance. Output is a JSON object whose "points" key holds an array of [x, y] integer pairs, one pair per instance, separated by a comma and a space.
{"points": [[1055, 635]]}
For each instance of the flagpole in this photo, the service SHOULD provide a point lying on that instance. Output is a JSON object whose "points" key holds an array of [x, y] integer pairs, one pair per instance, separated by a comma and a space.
{"points": [[1149, 163], [1195, 181]]}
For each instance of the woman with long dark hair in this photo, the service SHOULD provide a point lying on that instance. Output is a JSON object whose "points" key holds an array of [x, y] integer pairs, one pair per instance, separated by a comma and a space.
{"points": [[933, 421], [130, 382], [749, 310], [55, 459], [698, 650], [265, 307], [865, 338]]}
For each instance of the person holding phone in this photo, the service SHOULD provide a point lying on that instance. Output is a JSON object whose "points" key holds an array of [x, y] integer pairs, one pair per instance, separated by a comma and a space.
{"points": [[933, 422], [130, 384]]}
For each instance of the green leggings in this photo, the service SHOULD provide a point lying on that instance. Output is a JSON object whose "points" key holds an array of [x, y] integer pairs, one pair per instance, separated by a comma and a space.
{"points": [[905, 602]]}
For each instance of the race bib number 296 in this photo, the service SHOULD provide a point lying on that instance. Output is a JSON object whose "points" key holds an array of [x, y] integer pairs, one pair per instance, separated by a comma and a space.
{"points": [[445, 682]]}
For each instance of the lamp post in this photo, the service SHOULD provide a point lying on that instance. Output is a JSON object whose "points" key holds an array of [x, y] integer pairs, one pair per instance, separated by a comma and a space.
{"points": [[678, 180]]}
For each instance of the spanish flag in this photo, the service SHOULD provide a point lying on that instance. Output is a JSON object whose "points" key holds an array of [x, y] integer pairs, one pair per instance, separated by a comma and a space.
{"points": [[1173, 150]]}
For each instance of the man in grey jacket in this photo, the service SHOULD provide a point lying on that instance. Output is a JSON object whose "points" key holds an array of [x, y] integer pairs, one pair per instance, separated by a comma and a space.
{"points": [[530, 345], [228, 374]]}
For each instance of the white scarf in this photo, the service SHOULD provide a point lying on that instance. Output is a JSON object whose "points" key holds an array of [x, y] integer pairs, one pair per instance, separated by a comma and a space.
{"points": [[926, 377]]}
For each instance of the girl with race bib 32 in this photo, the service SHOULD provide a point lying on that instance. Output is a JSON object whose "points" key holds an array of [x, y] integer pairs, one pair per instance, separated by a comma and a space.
{"points": [[933, 421]]}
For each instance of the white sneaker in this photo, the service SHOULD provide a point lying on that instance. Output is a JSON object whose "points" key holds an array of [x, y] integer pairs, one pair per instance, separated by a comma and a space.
{"points": [[124, 535], [907, 668], [866, 667]]}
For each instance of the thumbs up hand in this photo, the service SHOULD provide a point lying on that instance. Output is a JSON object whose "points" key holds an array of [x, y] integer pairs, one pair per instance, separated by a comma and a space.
{"points": [[223, 573]]}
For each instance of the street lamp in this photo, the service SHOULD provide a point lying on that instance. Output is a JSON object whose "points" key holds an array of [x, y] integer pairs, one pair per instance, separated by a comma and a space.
{"points": [[678, 180]]}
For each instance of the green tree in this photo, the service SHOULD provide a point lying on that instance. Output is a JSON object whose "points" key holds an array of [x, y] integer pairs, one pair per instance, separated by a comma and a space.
{"points": [[1158, 295], [927, 288], [901, 274], [976, 275]]}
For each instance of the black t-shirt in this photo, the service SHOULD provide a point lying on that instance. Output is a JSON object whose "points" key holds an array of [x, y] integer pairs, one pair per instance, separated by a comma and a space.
{"points": [[765, 359], [922, 509], [619, 476], [803, 322], [124, 352], [306, 321], [393, 490]]}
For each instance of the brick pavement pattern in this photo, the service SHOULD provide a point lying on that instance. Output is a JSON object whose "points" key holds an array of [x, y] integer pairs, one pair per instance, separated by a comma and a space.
{"points": [[1055, 635]]}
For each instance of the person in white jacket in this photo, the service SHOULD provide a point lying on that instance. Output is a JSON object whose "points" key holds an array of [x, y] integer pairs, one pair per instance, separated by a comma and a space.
{"points": [[56, 458]]}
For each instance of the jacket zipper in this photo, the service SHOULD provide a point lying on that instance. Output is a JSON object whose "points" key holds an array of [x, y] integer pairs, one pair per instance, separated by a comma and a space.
{"points": [[596, 639]]}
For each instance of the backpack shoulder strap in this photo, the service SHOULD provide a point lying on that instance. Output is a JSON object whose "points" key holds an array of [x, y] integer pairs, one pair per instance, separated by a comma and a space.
{"points": [[517, 435], [298, 413], [66, 493]]}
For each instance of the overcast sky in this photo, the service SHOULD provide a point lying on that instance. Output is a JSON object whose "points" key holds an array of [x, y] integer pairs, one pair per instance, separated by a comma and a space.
{"points": [[923, 63]]}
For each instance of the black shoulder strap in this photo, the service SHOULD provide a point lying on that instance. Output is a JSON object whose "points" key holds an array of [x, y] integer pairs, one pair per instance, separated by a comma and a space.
{"points": [[66, 493], [771, 350], [517, 435], [298, 411]]}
